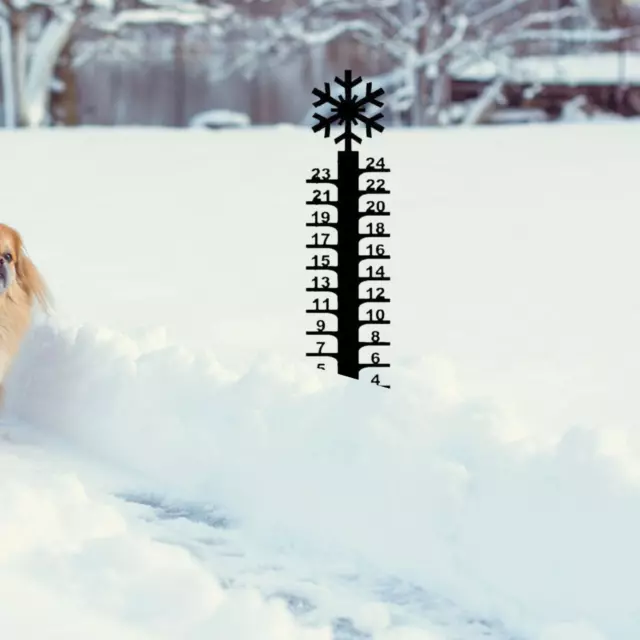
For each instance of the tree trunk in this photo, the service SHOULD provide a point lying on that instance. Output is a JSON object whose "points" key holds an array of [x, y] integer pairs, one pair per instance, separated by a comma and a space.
{"points": [[64, 103], [18, 30], [53, 39], [436, 79], [33, 75], [6, 68], [441, 93], [421, 99]]}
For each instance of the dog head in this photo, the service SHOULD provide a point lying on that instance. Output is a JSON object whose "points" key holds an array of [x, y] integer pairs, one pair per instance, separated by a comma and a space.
{"points": [[17, 271]]}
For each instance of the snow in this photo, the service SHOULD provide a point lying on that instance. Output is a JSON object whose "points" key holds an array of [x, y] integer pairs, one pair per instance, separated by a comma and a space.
{"points": [[219, 118], [171, 466], [577, 69], [186, 15]]}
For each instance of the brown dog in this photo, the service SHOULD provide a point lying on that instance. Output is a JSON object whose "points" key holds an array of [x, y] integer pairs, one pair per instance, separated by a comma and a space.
{"points": [[20, 285]]}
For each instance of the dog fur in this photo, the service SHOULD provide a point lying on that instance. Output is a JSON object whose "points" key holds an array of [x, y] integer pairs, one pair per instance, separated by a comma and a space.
{"points": [[21, 285]]}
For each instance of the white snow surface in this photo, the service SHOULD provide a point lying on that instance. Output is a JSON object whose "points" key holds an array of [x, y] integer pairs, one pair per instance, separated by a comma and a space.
{"points": [[172, 467]]}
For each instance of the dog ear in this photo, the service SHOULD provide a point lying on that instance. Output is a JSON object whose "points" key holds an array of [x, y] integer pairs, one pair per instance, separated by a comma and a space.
{"points": [[32, 281]]}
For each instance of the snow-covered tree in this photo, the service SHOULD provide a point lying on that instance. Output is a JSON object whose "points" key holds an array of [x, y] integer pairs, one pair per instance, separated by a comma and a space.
{"points": [[426, 40], [34, 33]]}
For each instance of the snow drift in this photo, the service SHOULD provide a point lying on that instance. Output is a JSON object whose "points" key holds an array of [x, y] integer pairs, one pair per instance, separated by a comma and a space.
{"points": [[154, 490]]}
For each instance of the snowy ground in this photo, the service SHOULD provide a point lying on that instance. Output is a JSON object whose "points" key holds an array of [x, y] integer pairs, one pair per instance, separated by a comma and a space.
{"points": [[204, 481]]}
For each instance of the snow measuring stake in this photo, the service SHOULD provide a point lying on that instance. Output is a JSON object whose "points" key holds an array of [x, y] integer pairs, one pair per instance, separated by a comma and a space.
{"points": [[338, 269]]}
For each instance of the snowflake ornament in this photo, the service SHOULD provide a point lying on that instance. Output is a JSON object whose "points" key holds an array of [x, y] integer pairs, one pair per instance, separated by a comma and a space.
{"points": [[348, 110]]}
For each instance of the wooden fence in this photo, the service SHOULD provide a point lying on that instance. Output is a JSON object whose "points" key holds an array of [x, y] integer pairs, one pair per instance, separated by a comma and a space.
{"points": [[164, 77]]}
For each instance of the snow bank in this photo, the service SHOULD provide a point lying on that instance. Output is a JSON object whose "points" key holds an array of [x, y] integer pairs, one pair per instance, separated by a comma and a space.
{"points": [[419, 489], [72, 566], [491, 493]]}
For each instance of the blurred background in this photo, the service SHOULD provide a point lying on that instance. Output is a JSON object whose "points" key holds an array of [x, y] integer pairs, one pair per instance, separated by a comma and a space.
{"points": [[180, 63]]}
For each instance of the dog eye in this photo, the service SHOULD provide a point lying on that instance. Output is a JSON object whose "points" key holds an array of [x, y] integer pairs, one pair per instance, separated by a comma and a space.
{"points": [[8, 257]]}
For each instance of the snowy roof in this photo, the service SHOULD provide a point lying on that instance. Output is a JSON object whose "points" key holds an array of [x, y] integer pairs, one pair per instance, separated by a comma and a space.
{"points": [[597, 68]]}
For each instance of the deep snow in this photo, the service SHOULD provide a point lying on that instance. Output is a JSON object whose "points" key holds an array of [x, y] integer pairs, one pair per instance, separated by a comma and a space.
{"points": [[205, 481]]}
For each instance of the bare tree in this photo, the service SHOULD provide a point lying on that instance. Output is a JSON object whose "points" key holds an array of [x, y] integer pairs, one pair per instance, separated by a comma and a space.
{"points": [[35, 33], [428, 41]]}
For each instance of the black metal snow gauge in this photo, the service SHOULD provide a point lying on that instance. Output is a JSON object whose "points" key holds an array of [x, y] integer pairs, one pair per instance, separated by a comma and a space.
{"points": [[348, 112]]}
